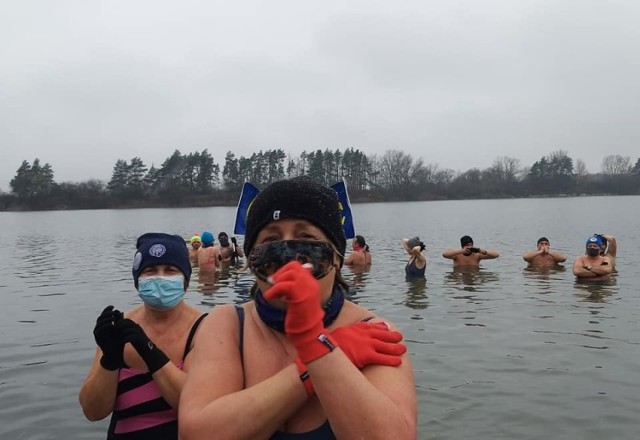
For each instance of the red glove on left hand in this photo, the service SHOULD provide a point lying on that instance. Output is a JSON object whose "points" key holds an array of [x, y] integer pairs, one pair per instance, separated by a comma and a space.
{"points": [[303, 322], [367, 343]]}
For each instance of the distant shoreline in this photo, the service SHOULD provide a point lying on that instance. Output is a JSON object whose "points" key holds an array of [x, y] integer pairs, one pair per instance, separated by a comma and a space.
{"points": [[208, 203]]}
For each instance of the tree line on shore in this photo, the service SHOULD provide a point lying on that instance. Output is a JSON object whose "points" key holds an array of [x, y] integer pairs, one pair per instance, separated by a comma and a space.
{"points": [[196, 179]]}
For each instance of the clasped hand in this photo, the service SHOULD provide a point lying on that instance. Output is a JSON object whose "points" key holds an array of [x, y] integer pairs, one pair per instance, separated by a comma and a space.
{"points": [[113, 331]]}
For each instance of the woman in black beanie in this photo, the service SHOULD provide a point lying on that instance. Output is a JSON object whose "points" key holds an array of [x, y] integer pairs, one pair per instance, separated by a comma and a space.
{"points": [[299, 360]]}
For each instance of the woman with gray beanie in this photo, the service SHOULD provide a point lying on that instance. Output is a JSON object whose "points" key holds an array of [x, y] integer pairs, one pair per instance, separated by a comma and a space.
{"points": [[299, 360], [417, 263]]}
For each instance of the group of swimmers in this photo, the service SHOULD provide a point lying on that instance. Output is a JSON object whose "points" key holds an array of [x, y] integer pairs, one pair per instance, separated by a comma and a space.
{"points": [[208, 256], [299, 360], [597, 263]]}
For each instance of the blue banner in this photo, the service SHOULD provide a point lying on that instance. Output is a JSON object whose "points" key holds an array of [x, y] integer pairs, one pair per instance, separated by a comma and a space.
{"points": [[345, 209], [249, 192]]}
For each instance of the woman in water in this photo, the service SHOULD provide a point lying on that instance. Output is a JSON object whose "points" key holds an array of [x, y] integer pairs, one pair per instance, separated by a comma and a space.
{"points": [[360, 256], [299, 361], [142, 356], [417, 264]]}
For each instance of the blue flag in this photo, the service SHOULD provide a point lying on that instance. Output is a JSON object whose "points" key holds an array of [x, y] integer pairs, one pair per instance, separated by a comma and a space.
{"points": [[249, 192], [345, 209]]}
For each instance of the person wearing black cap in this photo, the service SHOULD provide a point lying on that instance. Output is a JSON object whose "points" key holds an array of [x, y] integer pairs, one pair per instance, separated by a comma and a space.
{"points": [[469, 255], [299, 360], [142, 356], [230, 252], [417, 263], [543, 256]]}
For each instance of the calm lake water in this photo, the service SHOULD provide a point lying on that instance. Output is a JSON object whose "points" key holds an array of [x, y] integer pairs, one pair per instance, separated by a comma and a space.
{"points": [[504, 353]]}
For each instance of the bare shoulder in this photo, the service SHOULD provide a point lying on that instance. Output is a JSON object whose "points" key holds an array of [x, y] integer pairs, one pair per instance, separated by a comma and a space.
{"points": [[352, 313]]}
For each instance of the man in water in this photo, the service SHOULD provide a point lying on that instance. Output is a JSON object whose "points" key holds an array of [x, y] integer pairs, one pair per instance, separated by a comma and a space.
{"points": [[193, 252], [469, 255], [593, 265], [544, 256], [229, 252]]}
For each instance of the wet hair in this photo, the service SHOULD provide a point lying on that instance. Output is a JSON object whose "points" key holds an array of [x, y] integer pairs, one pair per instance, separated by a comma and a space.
{"points": [[360, 241], [541, 239]]}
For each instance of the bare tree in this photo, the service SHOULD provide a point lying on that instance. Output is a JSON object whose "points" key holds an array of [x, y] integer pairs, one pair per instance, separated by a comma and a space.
{"points": [[615, 165], [581, 168]]}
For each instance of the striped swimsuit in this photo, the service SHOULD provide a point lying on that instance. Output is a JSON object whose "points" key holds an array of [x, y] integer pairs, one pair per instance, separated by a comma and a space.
{"points": [[140, 411]]}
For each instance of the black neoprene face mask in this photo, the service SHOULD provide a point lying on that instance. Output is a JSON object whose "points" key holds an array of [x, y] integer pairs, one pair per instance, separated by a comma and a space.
{"points": [[265, 259]]}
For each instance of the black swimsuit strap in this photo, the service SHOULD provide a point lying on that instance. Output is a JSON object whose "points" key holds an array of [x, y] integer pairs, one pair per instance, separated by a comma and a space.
{"points": [[192, 333], [240, 312]]}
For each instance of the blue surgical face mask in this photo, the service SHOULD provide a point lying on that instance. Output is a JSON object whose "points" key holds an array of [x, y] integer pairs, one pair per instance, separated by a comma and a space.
{"points": [[162, 293]]}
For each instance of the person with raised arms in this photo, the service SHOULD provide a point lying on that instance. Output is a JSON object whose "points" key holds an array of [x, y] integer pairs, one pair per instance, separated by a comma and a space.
{"points": [[417, 263], [299, 360]]}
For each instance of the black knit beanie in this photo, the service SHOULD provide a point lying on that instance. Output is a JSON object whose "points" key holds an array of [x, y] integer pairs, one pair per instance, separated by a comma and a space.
{"points": [[465, 240], [156, 248], [299, 197]]}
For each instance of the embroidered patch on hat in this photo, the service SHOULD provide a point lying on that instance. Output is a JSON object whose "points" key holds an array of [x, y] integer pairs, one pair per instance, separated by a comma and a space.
{"points": [[276, 215], [157, 250], [137, 261]]}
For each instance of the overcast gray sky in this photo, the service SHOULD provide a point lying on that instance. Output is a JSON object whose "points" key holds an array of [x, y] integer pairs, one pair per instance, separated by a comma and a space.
{"points": [[458, 83]]}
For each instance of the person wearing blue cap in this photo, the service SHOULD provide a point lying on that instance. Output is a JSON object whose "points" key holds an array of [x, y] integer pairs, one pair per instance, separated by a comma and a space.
{"points": [[142, 356], [593, 266], [208, 254]]}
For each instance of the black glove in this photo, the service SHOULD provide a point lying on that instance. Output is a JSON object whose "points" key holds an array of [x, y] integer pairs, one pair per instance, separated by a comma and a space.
{"points": [[131, 332], [234, 241], [107, 339]]}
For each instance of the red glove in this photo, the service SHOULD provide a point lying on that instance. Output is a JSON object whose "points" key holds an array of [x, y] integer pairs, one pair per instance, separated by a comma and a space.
{"points": [[303, 322], [367, 343]]}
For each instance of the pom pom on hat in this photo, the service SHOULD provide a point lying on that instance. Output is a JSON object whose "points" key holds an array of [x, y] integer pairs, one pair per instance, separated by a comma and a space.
{"points": [[156, 248], [299, 197]]}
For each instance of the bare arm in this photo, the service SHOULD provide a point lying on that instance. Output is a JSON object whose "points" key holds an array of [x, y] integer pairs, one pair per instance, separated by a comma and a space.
{"points": [[420, 259], [612, 246], [602, 269], [452, 253], [375, 403], [350, 259], [213, 401], [488, 254], [98, 393], [529, 256], [580, 270]]}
